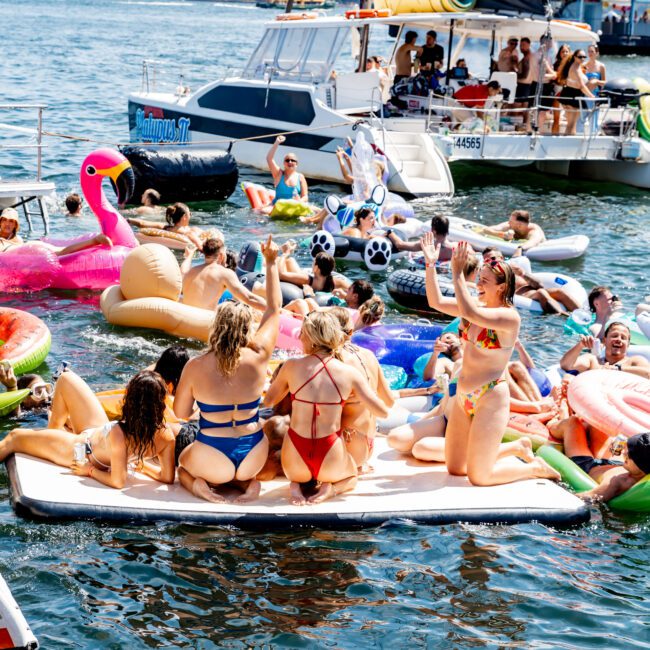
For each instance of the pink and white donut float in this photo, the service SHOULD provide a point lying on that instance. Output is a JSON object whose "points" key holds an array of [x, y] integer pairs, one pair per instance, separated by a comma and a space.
{"points": [[613, 402]]}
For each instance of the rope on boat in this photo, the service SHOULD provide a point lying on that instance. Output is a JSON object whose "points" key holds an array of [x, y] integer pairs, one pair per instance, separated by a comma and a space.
{"points": [[226, 141]]}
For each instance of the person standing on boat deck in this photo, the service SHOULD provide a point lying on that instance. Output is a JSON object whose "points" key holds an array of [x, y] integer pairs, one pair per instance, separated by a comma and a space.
{"points": [[289, 184], [403, 60], [508, 58], [563, 55], [524, 77], [541, 67], [596, 76], [226, 383], [489, 329], [431, 52], [320, 385], [518, 227], [575, 89], [204, 285]]}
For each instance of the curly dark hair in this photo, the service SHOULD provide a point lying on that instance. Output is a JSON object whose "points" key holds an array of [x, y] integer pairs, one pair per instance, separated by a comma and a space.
{"points": [[143, 413]]}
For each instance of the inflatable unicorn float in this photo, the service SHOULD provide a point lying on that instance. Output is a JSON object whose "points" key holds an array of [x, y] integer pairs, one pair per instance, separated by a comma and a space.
{"points": [[90, 264]]}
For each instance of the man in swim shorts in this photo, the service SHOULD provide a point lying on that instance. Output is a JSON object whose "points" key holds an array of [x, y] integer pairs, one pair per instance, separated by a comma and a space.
{"points": [[203, 285], [616, 477], [518, 228], [440, 230], [616, 343]]}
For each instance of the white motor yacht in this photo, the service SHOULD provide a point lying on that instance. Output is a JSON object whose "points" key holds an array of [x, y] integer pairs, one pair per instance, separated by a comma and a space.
{"points": [[307, 79]]}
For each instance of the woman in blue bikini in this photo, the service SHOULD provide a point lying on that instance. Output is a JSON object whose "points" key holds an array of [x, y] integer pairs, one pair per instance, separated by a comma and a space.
{"points": [[489, 329], [226, 383], [289, 183]]}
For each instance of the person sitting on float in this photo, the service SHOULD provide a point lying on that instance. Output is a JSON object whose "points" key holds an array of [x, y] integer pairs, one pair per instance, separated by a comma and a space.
{"points": [[41, 391], [9, 239], [320, 384], [112, 448], [440, 230], [518, 227], [226, 383], [289, 184], [482, 404], [358, 424], [365, 225], [321, 277], [552, 301], [606, 306], [178, 218], [447, 351], [616, 343], [203, 285]]}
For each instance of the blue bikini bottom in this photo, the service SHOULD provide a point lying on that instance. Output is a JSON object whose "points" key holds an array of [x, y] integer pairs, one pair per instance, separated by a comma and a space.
{"points": [[236, 449]]}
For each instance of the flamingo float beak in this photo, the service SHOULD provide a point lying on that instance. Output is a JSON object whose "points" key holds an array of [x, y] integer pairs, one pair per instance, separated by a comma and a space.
{"points": [[122, 180]]}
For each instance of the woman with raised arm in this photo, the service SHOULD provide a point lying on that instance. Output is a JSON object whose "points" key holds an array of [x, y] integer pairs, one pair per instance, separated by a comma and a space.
{"points": [[319, 385], [489, 330], [226, 382], [288, 182]]}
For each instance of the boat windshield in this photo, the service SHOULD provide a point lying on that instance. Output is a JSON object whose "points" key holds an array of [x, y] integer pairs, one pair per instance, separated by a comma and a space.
{"points": [[300, 54]]}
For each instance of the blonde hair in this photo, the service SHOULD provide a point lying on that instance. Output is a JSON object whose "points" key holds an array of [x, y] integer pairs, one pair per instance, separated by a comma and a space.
{"points": [[342, 315], [372, 311], [232, 330], [323, 331]]}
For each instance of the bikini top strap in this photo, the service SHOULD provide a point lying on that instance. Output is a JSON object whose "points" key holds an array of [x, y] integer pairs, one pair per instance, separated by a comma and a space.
{"points": [[326, 369]]}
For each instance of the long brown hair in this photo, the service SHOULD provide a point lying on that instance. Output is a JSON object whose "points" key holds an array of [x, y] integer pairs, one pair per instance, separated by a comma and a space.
{"points": [[143, 412], [232, 330], [504, 275]]}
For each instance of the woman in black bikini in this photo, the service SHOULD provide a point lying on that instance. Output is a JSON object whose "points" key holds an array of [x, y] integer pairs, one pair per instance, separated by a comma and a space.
{"points": [[575, 89]]}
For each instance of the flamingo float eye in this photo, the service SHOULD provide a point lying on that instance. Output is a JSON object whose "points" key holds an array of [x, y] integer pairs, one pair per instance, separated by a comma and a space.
{"points": [[90, 170]]}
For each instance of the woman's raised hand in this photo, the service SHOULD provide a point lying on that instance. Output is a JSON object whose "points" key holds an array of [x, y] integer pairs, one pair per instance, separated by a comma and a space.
{"points": [[280, 139], [459, 258], [270, 250], [430, 249]]}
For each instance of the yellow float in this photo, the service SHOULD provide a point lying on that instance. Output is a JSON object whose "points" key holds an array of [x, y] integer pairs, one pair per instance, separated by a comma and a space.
{"points": [[424, 6]]}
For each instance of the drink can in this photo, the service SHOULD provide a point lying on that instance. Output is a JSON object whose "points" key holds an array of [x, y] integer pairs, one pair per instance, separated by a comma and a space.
{"points": [[79, 453], [618, 445]]}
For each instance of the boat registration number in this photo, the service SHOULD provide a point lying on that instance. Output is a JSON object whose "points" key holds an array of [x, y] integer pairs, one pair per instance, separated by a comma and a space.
{"points": [[467, 142]]}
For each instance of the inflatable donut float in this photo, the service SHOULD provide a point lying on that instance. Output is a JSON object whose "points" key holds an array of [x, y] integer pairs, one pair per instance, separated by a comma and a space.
{"points": [[149, 293], [613, 402], [261, 197], [25, 340], [167, 238]]}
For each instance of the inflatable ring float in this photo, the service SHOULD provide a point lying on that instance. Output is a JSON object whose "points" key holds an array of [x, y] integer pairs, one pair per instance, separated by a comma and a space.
{"points": [[26, 340], [613, 402], [11, 399], [167, 238]]}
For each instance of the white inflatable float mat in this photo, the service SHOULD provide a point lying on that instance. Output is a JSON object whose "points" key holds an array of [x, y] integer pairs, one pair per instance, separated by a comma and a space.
{"points": [[563, 248], [399, 488], [14, 630]]}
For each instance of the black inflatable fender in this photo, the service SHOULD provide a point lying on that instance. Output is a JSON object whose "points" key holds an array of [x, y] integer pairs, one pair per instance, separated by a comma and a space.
{"points": [[248, 256]]}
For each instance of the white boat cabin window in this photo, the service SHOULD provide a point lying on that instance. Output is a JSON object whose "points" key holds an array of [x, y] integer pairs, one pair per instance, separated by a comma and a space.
{"points": [[300, 54]]}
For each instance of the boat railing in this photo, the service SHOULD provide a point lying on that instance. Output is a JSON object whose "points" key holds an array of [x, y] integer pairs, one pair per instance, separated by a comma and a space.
{"points": [[158, 77], [21, 138]]}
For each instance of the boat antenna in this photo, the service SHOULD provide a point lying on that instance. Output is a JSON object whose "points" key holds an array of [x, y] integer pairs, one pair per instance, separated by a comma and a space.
{"points": [[288, 7], [544, 42]]}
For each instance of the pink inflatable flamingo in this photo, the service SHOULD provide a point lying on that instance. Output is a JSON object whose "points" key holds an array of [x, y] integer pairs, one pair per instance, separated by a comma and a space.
{"points": [[33, 266]]}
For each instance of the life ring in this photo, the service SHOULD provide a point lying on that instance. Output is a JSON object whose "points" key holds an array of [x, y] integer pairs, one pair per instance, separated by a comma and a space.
{"points": [[173, 240], [305, 15], [258, 196], [25, 340], [368, 13], [613, 402]]}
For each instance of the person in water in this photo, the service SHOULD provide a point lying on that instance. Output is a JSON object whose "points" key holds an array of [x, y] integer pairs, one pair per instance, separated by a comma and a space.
{"points": [[320, 384], [112, 448], [489, 329], [177, 219], [73, 203], [226, 383], [40, 391], [288, 182], [358, 424], [203, 285], [518, 228], [150, 202], [617, 342]]}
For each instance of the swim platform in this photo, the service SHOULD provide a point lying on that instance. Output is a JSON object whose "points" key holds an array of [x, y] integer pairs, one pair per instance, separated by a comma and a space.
{"points": [[400, 488]]}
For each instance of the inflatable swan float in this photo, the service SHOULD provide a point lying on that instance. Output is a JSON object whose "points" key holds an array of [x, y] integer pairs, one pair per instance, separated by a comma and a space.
{"points": [[36, 265]]}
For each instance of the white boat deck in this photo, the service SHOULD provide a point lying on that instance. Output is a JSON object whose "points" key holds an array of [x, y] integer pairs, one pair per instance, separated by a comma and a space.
{"points": [[399, 488], [18, 188]]}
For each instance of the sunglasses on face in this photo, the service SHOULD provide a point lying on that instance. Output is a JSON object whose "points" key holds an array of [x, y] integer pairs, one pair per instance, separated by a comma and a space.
{"points": [[291, 160], [582, 56]]}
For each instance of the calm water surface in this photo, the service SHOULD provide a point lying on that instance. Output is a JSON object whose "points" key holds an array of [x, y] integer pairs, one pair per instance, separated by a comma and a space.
{"points": [[89, 585]]}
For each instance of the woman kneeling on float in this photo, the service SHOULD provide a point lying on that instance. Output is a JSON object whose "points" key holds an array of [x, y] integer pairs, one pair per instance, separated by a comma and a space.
{"points": [[226, 382], [489, 330], [319, 385], [112, 448]]}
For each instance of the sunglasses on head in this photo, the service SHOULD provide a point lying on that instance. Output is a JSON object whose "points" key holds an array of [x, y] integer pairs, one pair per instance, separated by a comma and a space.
{"points": [[291, 160], [496, 264]]}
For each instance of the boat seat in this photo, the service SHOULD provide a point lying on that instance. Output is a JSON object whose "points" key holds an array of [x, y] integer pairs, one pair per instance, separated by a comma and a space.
{"points": [[357, 92], [508, 81]]}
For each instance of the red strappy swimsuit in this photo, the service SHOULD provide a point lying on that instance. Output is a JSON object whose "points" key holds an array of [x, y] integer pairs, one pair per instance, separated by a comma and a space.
{"points": [[313, 450]]}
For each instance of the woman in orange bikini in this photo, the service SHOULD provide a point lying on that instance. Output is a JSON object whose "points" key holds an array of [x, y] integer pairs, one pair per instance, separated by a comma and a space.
{"points": [[319, 385], [489, 330]]}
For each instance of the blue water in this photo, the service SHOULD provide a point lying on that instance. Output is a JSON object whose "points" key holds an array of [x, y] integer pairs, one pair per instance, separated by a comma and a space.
{"points": [[91, 585]]}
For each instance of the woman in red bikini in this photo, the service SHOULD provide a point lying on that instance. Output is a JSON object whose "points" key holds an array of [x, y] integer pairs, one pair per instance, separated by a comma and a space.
{"points": [[489, 329], [319, 385]]}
